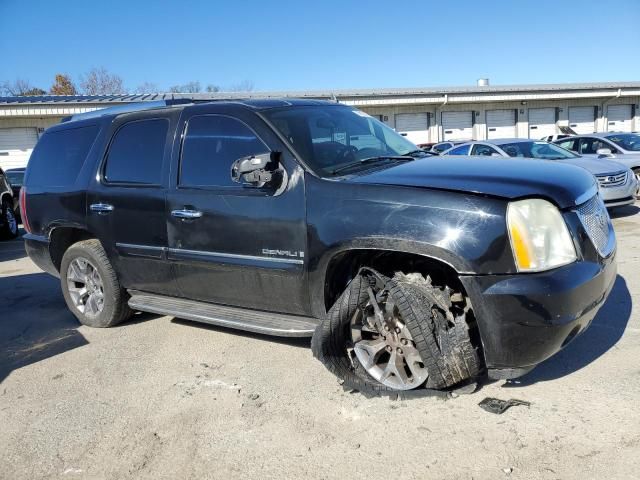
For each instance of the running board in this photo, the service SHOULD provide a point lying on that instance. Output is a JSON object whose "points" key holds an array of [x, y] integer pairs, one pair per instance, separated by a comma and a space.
{"points": [[256, 321]]}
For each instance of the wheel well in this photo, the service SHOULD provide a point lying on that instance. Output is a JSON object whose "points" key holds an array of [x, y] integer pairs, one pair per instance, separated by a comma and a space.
{"points": [[61, 239], [344, 266], [6, 196]]}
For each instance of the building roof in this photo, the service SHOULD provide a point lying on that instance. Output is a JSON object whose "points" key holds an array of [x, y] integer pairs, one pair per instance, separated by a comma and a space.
{"points": [[322, 94]]}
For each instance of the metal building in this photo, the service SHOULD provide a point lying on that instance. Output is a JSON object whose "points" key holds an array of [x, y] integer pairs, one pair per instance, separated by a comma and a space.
{"points": [[421, 114]]}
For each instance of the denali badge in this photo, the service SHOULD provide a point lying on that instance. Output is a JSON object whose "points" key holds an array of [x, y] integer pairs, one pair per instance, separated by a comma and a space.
{"points": [[283, 253]]}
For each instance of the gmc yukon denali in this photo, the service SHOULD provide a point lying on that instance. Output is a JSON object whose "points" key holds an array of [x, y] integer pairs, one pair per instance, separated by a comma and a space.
{"points": [[310, 218]]}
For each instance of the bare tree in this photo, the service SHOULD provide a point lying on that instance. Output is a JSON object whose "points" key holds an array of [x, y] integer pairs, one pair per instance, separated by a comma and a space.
{"points": [[244, 86], [147, 87], [211, 88], [98, 81], [63, 85], [19, 87], [191, 87]]}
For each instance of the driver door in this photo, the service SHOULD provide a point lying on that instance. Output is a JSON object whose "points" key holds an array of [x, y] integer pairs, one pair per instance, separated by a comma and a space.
{"points": [[230, 243]]}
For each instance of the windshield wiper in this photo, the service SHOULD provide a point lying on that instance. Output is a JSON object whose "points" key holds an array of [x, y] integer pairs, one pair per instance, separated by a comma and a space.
{"points": [[371, 160]]}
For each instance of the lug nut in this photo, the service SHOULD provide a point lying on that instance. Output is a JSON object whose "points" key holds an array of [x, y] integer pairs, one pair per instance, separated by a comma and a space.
{"points": [[386, 327], [388, 348], [397, 329], [404, 341], [399, 350]]}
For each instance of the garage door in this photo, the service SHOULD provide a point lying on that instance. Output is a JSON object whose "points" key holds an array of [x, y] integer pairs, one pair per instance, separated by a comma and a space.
{"points": [[414, 126], [542, 122], [619, 118], [582, 119], [457, 125], [16, 145], [501, 123]]}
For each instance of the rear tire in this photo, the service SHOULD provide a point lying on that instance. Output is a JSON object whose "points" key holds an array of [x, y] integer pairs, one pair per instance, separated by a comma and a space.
{"points": [[9, 228], [447, 348], [90, 286]]}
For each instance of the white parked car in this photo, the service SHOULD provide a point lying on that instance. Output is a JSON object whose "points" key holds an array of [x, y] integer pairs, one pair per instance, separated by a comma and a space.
{"points": [[617, 183], [621, 147]]}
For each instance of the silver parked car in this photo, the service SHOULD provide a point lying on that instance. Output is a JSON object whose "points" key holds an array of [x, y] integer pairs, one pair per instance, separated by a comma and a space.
{"points": [[617, 183], [622, 147]]}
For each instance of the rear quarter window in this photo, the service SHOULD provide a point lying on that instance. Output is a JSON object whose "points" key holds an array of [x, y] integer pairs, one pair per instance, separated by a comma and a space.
{"points": [[59, 156]]}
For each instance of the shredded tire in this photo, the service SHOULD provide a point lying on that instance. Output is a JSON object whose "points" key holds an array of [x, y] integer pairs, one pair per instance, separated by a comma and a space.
{"points": [[442, 338]]}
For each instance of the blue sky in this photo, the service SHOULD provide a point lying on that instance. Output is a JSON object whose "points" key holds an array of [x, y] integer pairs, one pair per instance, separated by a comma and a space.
{"points": [[326, 44]]}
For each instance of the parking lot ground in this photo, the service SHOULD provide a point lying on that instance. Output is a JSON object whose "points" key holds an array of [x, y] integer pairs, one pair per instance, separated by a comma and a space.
{"points": [[164, 398]]}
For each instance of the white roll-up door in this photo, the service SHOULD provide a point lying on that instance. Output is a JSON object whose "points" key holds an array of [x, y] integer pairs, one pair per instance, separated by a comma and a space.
{"points": [[582, 119], [414, 126], [16, 145], [619, 118], [457, 125], [501, 123], [542, 122]]}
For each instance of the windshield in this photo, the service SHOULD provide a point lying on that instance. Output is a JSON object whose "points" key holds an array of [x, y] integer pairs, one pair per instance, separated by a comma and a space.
{"points": [[542, 150], [330, 137], [627, 141], [15, 178]]}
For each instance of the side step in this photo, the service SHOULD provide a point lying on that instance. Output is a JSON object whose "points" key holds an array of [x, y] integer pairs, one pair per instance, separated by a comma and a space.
{"points": [[256, 321]]}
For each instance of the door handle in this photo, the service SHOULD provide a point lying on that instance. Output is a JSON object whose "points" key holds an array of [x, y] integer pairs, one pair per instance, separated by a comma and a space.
{"points": [[101, 207], [188, 214]]}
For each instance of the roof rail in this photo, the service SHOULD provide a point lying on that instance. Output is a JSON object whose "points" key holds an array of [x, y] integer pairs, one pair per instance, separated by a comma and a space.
{"points": [[128, 108]]}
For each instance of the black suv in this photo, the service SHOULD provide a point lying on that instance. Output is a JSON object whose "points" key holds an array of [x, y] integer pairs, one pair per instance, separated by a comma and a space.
{"points": [[8, 221], [309, 218]]}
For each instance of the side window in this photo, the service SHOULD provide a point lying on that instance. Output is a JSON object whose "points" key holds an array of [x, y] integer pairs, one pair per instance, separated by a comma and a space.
{"points": [[210, 146], [441, 147], [590, 146], [484, 150], [568, 144], [136, 153], [462, 150], [58, 157]]}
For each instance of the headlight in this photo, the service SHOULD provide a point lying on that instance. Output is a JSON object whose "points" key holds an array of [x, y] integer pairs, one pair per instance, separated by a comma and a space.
{"points": [[539, 236]]}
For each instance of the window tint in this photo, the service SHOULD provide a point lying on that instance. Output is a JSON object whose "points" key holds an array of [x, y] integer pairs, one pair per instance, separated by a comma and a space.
{"points": [[211, 144], [484, 150], [59, 156], [441, 147], [136, 152], [568, 144], [462, 150], [590, 146]]}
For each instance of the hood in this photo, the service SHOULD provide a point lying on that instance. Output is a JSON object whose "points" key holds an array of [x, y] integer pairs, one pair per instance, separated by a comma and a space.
{"points": [[597, 166], [494, 176]]}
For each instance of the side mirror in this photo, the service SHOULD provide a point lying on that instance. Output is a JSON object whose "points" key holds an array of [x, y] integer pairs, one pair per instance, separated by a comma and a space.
{"points": [[262, 170], [603, 151]]}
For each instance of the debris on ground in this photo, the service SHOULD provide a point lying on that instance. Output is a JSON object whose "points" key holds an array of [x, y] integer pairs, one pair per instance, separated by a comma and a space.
{"points": [[497, 406]]}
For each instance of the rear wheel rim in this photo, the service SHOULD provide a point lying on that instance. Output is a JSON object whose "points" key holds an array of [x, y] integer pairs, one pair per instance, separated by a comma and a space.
{"points": [[390, 356], [85, 287]]}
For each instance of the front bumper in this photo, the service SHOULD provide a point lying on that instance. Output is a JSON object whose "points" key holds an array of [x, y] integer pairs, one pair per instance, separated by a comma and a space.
{"points": [[526, 318], [621, 195]]}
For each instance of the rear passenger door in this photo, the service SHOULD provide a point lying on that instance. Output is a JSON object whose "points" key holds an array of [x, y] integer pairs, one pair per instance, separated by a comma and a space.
{"points": [[126, 201], [245, 246]]}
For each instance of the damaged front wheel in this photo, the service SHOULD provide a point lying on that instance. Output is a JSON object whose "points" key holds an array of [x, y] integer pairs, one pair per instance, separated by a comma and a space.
{"points": [[400, 333]]}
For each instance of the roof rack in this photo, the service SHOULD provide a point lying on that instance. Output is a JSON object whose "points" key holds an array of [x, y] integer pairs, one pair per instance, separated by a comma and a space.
{"points": [[128, 108]]}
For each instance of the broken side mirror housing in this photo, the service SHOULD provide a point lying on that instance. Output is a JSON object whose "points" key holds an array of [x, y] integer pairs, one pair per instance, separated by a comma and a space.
{"points": [[263, 170]]}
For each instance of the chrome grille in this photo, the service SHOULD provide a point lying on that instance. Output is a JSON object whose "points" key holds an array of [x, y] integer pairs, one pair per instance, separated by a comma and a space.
{"points": [[615, 180], [595, 220]]}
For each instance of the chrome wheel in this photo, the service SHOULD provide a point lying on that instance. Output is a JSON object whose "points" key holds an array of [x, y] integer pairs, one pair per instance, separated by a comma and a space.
{"points": [[11, 220], [384, 346], [85, 286], [637, 174]]}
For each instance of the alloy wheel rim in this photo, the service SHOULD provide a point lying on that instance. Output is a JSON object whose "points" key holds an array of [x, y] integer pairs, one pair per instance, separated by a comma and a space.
{"points": [[390, 356], [85, 286]]}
